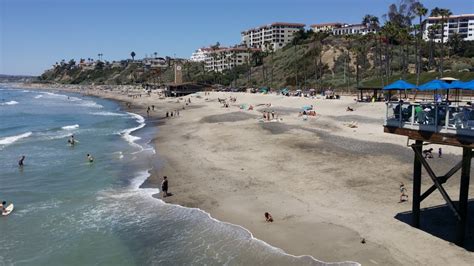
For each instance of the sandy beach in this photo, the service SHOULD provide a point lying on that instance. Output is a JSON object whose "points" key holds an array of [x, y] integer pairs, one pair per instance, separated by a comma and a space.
{"points": [[328, 186]]}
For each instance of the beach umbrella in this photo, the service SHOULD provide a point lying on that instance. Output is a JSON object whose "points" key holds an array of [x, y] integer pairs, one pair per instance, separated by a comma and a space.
{"points": [[457, 84], [434, 85], [400, 85], [468, 85]]}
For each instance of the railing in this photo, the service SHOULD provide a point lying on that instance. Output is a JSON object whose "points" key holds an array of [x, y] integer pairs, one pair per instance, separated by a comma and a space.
{"points": [[431, 117]]}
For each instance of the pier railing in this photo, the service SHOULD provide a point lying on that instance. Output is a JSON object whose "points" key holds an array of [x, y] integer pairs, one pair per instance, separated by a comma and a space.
{"points": [[431, 117]]}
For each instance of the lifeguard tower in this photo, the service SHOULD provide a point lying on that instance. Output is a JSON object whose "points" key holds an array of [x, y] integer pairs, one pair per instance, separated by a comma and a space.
{"points": [[441, 123]]}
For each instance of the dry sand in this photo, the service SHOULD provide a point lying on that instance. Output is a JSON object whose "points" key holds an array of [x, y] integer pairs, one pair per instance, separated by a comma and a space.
{"points": [[327, 186]]}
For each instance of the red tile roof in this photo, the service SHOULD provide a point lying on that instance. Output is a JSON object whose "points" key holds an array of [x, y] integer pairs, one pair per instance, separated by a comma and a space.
{"points": [[326, 24], [455, 16], [274, 24]]}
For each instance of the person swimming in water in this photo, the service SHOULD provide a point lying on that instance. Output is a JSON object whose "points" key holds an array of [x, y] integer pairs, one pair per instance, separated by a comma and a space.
{"points": [[20, 162], [71, 140], [2, 206], [90, 158]]}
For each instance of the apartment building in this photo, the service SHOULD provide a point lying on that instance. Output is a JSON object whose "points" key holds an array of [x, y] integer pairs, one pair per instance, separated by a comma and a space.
{"points": [[224, 58], [275, 35], [325, 27], [350, 29], [457, 24], [200, 54]]}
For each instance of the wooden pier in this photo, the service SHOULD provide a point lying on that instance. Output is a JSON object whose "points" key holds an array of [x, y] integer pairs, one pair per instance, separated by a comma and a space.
{"points": [[441, 130]]}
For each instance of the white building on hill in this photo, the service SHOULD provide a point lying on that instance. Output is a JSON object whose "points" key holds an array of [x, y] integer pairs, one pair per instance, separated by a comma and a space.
{"points": [[201, 54], [275, 35], [456, 24], [223, 58], [351, 29]]}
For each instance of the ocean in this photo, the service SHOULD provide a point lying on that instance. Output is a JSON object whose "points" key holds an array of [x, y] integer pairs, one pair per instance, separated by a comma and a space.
{"points": [[72, 212]]}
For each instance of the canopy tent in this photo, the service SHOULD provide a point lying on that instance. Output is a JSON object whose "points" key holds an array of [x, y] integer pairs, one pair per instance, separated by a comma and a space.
{"points": [[434, 85], [468, 85], [400, 85], [264, 89], [456, 84], [284, 91]]}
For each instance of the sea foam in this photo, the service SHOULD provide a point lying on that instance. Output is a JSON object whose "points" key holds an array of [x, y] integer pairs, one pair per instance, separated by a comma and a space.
{"points": [[9, 103], [12, 139], [107, 114], [126, 134], [71, 127]]}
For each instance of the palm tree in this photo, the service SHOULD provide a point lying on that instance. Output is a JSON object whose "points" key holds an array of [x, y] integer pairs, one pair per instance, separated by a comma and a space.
{"points": [[132, 54], [444, 14], [371, 21], [432, 31], [420, 11]]}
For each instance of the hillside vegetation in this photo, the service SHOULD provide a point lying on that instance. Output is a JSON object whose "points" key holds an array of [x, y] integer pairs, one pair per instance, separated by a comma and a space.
{"points": [[315, 60]]}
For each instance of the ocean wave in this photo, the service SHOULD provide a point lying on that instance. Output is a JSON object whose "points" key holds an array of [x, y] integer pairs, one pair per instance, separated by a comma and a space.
{"points": [[12, 139], [9, 103], [126, 134], [91, 104], [38, 96], [71, 127], [108, 114]]}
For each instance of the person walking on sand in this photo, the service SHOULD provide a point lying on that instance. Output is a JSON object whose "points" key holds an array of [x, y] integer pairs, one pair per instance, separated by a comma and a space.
{"points": [[20, 162], [440, 153], [403, 193], [268, 217], [164, 186]]}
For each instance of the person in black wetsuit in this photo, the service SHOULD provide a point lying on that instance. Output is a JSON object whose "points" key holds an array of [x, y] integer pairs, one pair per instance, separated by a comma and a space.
{"points": [[20, 162], [164, 186]]}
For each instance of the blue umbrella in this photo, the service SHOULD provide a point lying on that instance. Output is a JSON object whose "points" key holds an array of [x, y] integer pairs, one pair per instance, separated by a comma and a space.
{"points": [[400, 85], [457, 84], [434, 85], [469, 85]]}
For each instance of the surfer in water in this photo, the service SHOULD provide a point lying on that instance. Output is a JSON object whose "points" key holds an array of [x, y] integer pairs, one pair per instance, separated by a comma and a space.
{"points": [[71, 140], [3, 208], [90, 158], [20, 162]]}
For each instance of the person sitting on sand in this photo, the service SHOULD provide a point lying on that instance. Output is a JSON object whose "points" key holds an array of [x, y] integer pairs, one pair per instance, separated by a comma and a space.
{"points": [[268, 217], [164, 186], [20, 162], [90, 158], [403, 193], [349, 109], [428, 153]]}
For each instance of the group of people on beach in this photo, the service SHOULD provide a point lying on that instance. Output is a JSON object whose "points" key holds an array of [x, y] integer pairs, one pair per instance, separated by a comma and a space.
{"points": [[428, 153], [268, 114], [174, 113]]}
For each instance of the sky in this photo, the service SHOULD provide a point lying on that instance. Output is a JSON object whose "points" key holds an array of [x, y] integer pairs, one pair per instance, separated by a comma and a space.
{"points": [[34, 34]]}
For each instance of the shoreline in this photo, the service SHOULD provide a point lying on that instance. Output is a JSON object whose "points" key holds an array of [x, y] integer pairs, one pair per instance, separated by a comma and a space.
{"points": [[153, 121], [307, 213]]}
